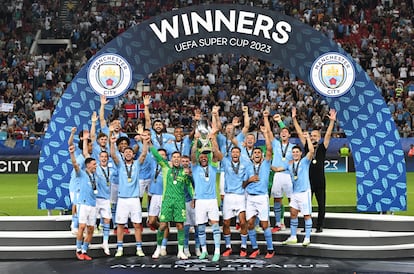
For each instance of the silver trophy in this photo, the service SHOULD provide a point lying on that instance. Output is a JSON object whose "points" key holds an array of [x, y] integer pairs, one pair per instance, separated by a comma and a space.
{"points": [[203, 128]]}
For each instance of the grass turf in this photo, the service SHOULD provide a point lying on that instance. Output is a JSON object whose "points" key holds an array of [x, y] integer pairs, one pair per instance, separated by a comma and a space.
{"points": [[18, 194]]}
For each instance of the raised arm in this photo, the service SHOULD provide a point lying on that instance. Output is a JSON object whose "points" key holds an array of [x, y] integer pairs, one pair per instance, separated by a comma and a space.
{"points": [[194, 148], [73, 158], [94, 118], [266, 122], [139, 130], [246, 120], [72, 136], [328, 134], [161, 161], [311, 149], [268, 141], [102, 119], [298, 129], [113, 149], [217, 155], [196, 118], [215, 118], [147, 114], [85, 139], [145, 142], [232, 137]]}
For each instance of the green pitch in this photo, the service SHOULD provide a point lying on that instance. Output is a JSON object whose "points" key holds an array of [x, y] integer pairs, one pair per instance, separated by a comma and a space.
{"points": [[18, 194]]}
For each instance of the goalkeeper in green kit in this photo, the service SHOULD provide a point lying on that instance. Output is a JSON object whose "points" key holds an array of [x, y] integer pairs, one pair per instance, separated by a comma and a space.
{"points": [[175, 178]]}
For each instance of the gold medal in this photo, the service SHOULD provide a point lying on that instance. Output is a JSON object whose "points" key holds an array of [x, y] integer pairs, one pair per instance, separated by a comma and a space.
{"points": [[108, 183], [129, 180], [95, 192], [283, 159], [314, 161], [295, 177]]}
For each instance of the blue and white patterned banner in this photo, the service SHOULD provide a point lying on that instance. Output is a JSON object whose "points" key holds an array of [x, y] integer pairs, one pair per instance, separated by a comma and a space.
{"points": [[268, 35]]}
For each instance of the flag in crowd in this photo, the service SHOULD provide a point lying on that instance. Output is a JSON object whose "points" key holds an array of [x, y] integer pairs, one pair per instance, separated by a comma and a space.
{"points": [[134, 111]]}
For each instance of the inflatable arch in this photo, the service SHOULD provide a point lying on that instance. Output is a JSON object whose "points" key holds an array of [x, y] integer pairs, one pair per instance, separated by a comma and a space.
{"points": [[268, 35]]}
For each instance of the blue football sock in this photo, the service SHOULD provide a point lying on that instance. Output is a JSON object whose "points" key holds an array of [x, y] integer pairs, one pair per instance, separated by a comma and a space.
{"points": [[216, 236], [105, 232], [243, 241], [268, 237], [227, 241], [252, 237], [308, 227], [293, 226], [202, 234], [278, 212]]}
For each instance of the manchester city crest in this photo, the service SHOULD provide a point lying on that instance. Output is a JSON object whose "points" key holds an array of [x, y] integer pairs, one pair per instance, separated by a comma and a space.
{"points": [[110, 75], [332, 74]]}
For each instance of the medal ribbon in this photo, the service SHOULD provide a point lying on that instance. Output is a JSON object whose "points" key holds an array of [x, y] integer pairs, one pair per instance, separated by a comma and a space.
{"points": [[181, 146], [228, 146], [175, 172], [284, 151], [159, 139], [235, 167], [249, 153], [295, 169], [256, 171], [206, 171], [92, 179], [129, 171], [314, 154], [105, 174], [157, 171]]}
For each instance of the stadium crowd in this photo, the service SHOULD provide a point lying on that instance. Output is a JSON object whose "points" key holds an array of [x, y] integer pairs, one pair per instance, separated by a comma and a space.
{"points": [[378, 34]]}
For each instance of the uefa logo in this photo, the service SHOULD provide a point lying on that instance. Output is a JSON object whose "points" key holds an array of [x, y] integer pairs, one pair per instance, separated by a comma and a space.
{"points": [[110, 75], [332, 74]]}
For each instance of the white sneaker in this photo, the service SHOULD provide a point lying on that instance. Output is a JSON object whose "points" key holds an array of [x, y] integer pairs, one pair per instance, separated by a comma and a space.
{"points": [[119, 252], [282, 227], [306, 242], [187, 252], [105, 247], [140, 253], [181, 255], [157, 253], [198, 252], [163, 251], [290, 241], [258, 229]]}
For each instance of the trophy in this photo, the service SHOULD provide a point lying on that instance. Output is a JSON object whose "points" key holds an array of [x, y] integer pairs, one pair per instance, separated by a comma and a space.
{"points": [[203, 128]]}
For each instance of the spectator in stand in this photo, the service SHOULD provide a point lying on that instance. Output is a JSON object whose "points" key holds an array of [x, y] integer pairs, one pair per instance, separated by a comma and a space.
{"points": [[3, 126], [344, 151], [411, 151]]}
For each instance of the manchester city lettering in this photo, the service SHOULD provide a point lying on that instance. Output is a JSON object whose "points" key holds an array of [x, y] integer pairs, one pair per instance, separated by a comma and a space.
{"points": [[243, 22], [14, 166], [109, 58]]}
